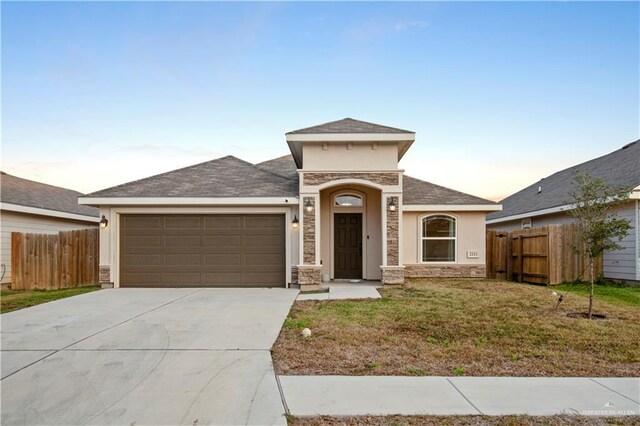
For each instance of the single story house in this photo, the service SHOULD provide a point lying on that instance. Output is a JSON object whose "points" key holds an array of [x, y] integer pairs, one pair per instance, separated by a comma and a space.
{"points": [[338, 207], [33, 207], [546, 202]]}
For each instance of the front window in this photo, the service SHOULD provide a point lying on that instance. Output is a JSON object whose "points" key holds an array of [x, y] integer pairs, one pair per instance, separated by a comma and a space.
{"points": [[348, 201], [438, 239]]}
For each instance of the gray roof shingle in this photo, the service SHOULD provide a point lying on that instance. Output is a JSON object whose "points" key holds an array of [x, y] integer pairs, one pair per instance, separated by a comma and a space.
{"points": [[232, 177], [416, 191], [620, 168], [28, 193], [348, 125], [223, 177]]}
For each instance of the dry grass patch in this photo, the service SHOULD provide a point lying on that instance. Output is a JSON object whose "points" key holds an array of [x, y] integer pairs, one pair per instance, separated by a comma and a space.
{"points": [[460, 327], [463, 421]]}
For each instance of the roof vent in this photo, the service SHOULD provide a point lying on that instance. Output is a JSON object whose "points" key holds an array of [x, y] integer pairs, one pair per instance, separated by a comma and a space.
{"points": [[539, 189], [628, 145]]}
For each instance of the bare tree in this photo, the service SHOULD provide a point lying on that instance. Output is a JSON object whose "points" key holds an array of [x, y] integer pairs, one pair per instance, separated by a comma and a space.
{"points": [[598, 226]]}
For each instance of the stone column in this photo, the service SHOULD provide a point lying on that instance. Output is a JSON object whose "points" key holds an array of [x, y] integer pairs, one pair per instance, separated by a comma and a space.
{"points": [[309, 272], [392, 271]]}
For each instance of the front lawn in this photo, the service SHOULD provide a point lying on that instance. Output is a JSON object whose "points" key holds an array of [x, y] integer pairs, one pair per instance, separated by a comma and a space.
{"points": [[461, 327], [12, 300]]}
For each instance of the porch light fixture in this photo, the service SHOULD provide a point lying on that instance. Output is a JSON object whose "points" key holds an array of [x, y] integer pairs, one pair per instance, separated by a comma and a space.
{"points": [[308, 206], [295, 222], [392, 205], [103, 222]]}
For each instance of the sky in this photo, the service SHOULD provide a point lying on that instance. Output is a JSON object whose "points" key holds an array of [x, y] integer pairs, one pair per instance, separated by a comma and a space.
{"points": [[500, 94]]}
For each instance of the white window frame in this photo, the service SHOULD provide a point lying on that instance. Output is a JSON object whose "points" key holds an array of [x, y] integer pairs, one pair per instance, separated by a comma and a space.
{"points": [[421, 238]]}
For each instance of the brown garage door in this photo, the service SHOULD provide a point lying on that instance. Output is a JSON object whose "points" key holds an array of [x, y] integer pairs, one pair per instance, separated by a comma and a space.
{"points": [[202, 251]]}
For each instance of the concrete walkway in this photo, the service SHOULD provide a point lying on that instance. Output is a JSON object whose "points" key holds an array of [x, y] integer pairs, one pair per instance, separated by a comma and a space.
{"points": [[145, 356], [385, 395], [338, 290]]}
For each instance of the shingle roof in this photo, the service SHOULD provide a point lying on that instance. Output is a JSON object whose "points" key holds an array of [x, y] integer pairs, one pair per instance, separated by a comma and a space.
{"points": [[231, 177], [416, 191], [348, 125], [283, 166], [28, 193], [224, 177], [621, 168]]}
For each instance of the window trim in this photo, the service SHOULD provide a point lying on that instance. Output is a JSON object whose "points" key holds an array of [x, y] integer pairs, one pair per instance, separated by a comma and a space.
{"points": [[349, 193], [421, 238]]}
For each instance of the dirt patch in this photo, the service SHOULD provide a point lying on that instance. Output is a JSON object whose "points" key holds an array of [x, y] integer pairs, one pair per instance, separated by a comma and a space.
{"points": [[459, 327], [585, 315]]}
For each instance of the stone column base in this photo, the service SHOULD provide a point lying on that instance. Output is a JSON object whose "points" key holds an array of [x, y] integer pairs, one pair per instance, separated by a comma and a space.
{"points": [[392, 275], [309, 277], [105, 276]]}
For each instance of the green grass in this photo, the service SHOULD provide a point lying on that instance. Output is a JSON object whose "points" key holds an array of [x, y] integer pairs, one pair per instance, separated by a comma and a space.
{"points": [[464, 327], [625, 295], [12, 300]]}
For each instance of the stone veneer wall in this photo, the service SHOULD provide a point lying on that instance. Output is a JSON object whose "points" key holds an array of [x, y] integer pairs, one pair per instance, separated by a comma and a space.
{"points": [[309, 232], [104, 275], [453, 271], [294, 275], [392, 232], [309, 276], [392, 275], [381, 178]]}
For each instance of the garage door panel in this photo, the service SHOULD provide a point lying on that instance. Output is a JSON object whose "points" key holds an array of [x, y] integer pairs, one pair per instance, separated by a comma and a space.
{"points": [[142, 222], [262, 259], [223, 240], [220, 259], [144, 259], [182, 222], [224, 278], [143, 241], [180, 259], [202, 250], [183, 240], [223, 222]]}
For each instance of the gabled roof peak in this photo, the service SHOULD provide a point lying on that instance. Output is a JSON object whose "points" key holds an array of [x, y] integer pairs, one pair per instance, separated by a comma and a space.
{"points": [[348, 125]]}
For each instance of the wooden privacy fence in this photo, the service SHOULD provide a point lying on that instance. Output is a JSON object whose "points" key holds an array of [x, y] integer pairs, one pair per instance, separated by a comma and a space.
{"points": [[50, 261], [537, 255]]}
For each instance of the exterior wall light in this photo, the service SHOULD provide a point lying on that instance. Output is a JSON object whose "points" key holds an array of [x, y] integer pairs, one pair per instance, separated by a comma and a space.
{"points": [[104, 222], [308, 206], [392, 205], [295, 222]]}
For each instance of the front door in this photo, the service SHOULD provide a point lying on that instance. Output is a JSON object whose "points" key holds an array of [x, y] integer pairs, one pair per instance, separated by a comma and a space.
{"points": [[348, 245]]}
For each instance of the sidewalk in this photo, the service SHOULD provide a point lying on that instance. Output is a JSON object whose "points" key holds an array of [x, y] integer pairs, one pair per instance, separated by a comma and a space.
{"points": [[386, 395]]}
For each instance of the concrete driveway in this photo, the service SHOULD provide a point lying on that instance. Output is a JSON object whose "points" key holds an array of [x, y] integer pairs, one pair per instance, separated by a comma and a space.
{"points": [[145, 356]]}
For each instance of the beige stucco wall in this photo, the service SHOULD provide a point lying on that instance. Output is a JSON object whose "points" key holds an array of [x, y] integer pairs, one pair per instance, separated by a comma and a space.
{"points": [[470, 236], [371, 238], [30, 223], [362, 156]]}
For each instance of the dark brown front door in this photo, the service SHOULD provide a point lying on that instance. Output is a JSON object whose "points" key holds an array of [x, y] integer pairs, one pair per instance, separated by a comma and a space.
{"points": [[348, 245]]}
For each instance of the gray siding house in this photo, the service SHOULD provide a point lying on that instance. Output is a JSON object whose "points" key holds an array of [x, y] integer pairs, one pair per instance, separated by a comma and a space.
{"points": [[37, 208], [545, 202]]}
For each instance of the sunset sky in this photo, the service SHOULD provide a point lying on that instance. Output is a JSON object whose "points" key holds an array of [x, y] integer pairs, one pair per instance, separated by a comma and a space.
{"points": [[499, 94]]}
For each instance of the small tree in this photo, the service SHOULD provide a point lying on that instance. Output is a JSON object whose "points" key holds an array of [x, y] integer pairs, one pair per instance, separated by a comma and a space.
{"points": [[597, 225]]}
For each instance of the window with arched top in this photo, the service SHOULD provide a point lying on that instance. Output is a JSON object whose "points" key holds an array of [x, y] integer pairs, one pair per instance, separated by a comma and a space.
{"points": [[348, 200], [438, 238]]}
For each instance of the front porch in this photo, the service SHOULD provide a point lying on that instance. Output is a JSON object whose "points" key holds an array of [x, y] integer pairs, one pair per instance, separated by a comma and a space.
{"points": [[350, 231]]}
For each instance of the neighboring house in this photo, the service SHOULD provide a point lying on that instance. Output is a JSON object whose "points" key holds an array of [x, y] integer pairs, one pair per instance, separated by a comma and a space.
{"points": [[34, 207], [338, 207], [546, 202]]}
